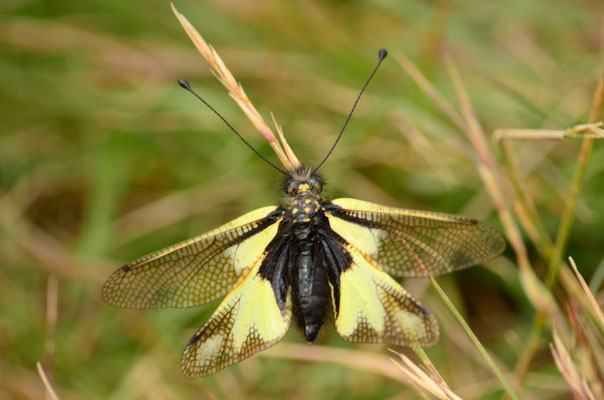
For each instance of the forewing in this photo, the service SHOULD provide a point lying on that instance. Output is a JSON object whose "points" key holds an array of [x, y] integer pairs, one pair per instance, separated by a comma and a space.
{"points": [[247, 321], [413, 243], [373, 308], [197, 270]]}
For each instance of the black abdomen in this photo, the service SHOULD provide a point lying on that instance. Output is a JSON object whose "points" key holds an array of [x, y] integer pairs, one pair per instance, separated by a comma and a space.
{"points": [[311, 288]]}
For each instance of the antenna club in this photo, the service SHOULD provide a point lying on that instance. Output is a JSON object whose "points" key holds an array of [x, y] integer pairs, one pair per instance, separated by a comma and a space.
{"points": [[184, 84], [382, 54]]}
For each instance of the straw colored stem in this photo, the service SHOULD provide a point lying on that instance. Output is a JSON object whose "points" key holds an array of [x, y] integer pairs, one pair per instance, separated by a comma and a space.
{"points": [[568, 215], [355, 359], [49, 389], [429, 366], [531, 222], [583, 131], [474, 339], [427, 87], [539, 322], [487, 168], [224, 75], [593, 303]]}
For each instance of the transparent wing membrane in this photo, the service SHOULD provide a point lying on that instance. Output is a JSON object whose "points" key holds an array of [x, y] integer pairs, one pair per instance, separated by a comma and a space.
{"points": [[197, 270], [413, 243]]}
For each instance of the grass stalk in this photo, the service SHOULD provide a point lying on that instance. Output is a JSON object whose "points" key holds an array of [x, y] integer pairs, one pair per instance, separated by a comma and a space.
{"points": [[224, 75], [594, 304], [525, 358], [431, 381], [531, 222], [568, 214], [475, 340], [49, 389]]}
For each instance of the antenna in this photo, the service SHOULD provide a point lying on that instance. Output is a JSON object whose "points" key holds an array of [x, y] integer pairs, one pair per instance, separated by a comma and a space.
{"points": [[382, 54], [185, 85]]}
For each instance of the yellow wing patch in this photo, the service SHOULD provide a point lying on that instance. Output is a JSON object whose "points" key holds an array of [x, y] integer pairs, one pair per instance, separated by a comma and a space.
{"points": [[247, 321], [376, 309], [195, 271], [415, 243]]}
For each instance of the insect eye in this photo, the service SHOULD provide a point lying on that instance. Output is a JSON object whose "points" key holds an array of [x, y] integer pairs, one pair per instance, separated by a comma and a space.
{"points": [[292, 190]]}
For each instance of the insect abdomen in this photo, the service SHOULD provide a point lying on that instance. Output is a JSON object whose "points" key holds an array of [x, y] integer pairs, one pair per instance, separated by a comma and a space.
{"points": [[313, 289]]}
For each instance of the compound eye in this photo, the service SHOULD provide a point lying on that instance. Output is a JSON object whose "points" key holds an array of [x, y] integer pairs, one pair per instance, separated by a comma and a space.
{"points": [[292, 190]]}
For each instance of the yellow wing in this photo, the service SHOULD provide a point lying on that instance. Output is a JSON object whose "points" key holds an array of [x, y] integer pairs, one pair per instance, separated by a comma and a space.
{"points": [[413, 243], [375, 309], [247, 321], [197, 270]]}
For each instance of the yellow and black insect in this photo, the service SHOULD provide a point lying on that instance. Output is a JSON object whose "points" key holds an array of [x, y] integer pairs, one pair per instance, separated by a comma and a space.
{"points": [[308, 257]]}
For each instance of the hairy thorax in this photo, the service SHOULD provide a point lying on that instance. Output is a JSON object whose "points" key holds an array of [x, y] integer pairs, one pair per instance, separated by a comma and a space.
{"points": [[303, 207], [303, 198]]}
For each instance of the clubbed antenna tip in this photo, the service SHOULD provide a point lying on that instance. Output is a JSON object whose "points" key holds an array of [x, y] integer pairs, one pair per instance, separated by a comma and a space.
{"points": [[184, 84]]}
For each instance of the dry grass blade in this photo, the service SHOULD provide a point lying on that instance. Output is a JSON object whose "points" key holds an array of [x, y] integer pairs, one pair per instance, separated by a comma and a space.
{"points": [[433, 385], [588, 132], [356, 359], [288, 150], [50, 390], [488, 169], [417, 139], [569, 211], [468, 123], [479, 346], [594, 304], [427, 87], [524, 205], [583, 131], [565, 364], [533, 287], [52, 300], [225, 76]]}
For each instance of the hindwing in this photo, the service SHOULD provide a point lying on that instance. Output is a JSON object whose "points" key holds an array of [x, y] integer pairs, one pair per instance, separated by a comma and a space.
{"points": [[197, 270], [413, 243], [247, 321], [373, 308]]}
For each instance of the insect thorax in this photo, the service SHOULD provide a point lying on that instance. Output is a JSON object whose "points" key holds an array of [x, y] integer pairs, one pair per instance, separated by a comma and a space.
{"points": [[303, 195]]}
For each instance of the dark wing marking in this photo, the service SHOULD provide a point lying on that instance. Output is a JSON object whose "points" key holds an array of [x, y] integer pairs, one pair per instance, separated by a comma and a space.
{"points": [[247, 321], [375, 309], [413, 243], [197, 270]]}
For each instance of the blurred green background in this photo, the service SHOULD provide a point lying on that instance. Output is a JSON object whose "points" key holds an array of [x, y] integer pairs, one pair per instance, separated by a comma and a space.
{"points": [[103, 158]]}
